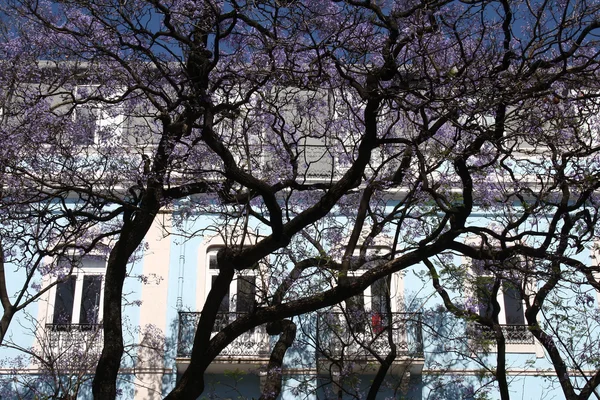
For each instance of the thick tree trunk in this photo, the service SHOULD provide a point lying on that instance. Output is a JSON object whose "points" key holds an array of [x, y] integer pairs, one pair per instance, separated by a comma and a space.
{"points": [[191, 384], [5, 322], [4, 300], [386, 363], [501, 363], [104, 385], [272, 387], [382, 372]]}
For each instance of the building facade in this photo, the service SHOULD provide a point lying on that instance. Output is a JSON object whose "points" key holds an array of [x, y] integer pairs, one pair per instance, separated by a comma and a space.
{"points": [[337, 351], [428, 331]]}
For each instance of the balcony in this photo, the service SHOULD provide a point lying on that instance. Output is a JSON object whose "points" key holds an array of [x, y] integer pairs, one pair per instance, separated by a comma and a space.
{"points": [[513, 334], [247, 352], [74, 346], [363, 337], [73, 327]]}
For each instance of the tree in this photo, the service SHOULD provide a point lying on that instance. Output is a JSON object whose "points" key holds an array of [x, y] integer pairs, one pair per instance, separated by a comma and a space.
{"points": [[326, 127]]}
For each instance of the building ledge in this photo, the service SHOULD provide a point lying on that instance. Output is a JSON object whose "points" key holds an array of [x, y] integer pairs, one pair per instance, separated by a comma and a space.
{"points": [[222, 364], [402, 365]]}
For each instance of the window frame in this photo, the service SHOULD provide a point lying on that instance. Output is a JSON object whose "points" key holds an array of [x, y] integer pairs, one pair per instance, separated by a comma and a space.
{"points": [[396, 289], [371, 330], [232, 301], [395, 282], [252, 343], [470, 292], [102, 118], [500, 296], [80, 272]]}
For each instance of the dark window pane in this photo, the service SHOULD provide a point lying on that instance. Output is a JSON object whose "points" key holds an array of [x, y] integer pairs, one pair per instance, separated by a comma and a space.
{"points": [[90, 299], [86, 120], [355, 310], [513, 305], [483, 293], [224, 306], [246, 291], [355, 304], [212, 261], [379, 295], [379, 304], [90, 261], [222, 319], [63, 304]]}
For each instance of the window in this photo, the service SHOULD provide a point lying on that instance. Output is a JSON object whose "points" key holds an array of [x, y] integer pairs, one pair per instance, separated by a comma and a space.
{"points": [[73, 331], [65, 299], [370, 308], [355, 310], [314, 160], [483, 294], [86, 122], [241, 294], [508, 296], [513, 302], [95, 123], [380, 294], [77, 298], [511, 317], [365, 325], [239, 300], [246, 294], [380, 291]]}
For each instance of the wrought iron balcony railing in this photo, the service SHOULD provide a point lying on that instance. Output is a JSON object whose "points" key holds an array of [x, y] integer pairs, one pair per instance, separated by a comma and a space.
{"points": [[73, 327], [361, 335], [254, 343], [513, 334], [76, 346]]}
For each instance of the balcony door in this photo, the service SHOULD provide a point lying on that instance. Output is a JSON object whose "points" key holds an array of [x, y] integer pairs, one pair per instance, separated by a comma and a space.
{"points": [[77, 298], [370, 308], [241, 295]]}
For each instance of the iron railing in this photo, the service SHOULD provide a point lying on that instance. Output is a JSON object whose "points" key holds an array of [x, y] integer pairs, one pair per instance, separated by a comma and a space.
{"points": [[513, 334], [76, 346], [253, 343], [367, 334], [73, 327]]}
